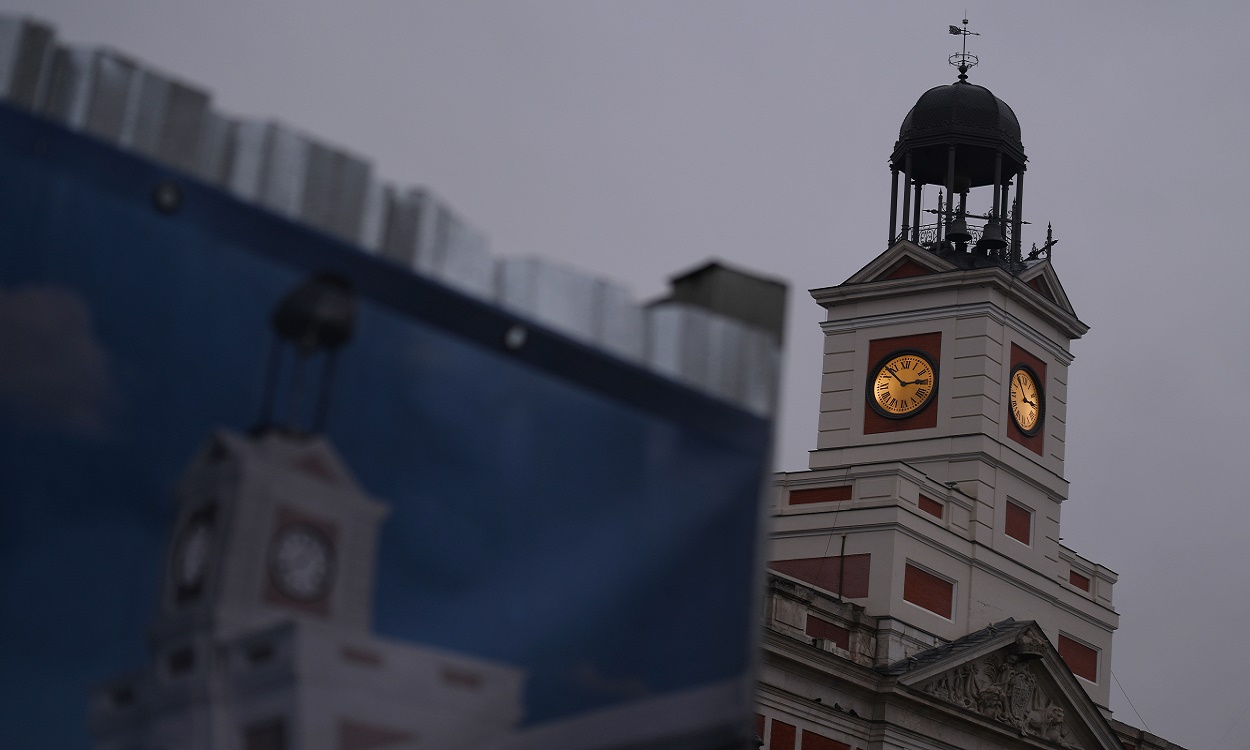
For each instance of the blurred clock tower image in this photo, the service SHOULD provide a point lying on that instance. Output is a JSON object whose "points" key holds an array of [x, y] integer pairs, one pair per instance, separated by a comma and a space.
{"points": [[263, 636]]}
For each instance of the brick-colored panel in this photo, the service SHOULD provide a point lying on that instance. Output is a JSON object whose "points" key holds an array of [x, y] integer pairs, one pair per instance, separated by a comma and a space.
{"points": [[1081, 659], [1036, 442], [813, 741], [783, 736], [931, 345], [1078, 580], [907, 267], [924, 589], [931, 506], [1019, 523], [830, 573], [818, 628], [820, 495], [1036, 285]]}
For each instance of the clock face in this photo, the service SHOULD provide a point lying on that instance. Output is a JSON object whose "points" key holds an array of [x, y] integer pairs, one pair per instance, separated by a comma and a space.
{"points": [[191, 554], [301, 562], [902, 384], [1026, 400]]}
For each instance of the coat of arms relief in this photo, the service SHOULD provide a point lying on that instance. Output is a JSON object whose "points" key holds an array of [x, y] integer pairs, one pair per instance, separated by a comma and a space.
{"points": [[1003, 687]]}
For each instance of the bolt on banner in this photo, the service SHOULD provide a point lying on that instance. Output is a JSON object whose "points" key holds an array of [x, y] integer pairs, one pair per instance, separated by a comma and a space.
{"points": [[264, 491]]}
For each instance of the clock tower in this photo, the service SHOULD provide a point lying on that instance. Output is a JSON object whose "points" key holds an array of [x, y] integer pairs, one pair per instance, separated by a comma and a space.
{"points": [[934, 493], [263, 637]]}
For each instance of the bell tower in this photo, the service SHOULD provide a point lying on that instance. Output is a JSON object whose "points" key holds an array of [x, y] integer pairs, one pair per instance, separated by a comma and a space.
{"points": [[263, 636], [933, 496]]}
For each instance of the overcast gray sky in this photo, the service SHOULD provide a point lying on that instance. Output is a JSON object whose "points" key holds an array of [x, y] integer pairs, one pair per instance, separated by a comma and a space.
{"points": [[633, 139]]}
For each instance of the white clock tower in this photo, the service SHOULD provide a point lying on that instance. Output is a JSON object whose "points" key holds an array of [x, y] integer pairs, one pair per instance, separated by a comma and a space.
{"points": [[933, 496]]}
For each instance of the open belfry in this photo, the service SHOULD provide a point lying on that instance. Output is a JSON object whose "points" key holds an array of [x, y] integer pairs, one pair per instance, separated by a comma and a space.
{"points": [[919, 595]]}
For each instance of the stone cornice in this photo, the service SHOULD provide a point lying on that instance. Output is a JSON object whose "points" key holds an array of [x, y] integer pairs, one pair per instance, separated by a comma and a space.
{"points": [[794, 479], [994, 278], [956, 311], [976, 455], [971, 559]]}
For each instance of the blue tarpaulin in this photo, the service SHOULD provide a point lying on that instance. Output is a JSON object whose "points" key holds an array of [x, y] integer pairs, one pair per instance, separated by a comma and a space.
{"points": [[588, 524]]}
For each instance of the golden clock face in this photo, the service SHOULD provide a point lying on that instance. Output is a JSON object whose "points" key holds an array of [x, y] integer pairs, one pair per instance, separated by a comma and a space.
{"points": [[1026, 400], [902, 384]]}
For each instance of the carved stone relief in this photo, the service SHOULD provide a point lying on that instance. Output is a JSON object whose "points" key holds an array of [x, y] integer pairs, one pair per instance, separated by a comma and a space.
{"points": [[1002, 687]]}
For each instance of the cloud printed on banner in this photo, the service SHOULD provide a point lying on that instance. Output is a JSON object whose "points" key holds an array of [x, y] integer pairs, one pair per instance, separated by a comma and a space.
{"points": [[54, 374]]}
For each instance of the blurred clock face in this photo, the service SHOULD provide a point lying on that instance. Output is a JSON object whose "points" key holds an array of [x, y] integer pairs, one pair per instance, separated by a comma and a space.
{"points": [[191, 560], [301, 562]]}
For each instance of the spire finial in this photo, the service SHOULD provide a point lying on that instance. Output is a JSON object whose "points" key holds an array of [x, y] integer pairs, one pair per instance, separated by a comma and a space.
{"points": [[963, 60]]}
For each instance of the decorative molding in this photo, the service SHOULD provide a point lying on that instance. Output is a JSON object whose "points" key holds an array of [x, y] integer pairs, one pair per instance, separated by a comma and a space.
{"points": [[1063, 320]]}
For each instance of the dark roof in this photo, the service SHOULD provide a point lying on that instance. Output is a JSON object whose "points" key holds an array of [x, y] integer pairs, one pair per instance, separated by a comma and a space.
{"points": [[962, 108], [967, 116], [947, 650]]}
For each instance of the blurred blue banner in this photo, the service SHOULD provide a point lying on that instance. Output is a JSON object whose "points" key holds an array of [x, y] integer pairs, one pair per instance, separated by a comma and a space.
{"points": [[450, 530]]}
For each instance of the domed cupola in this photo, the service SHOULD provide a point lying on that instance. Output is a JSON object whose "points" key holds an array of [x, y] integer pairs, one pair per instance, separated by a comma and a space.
{"points": [[969, 117], [959, 137]]}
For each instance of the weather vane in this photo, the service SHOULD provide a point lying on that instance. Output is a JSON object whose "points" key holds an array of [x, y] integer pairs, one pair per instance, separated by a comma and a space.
{"points": [[964, 59]]}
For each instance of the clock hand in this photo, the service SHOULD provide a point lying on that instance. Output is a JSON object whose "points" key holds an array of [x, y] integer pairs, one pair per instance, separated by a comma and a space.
{"points": [[895, 375]]}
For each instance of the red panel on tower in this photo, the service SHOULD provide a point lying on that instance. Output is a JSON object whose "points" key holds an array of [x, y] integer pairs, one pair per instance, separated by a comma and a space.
{"points": [[783, 736], [1078, 580], [926, 590], [820, 495], [818, 628], [1019, 523], [813, 741], [931, 506], [830, 573], [1081, 659]]}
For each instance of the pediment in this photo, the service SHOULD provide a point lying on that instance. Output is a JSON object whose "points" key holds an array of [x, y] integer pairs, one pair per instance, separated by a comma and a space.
{"points": [[902, 260], [1041, 278], [1010, 675]]}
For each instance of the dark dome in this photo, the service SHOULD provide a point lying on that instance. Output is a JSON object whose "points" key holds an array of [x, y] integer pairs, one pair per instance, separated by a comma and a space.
{"points": [[969, 117]]}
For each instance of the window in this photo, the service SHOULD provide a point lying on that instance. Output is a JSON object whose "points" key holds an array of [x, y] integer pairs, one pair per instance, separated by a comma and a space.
{"points": [[924, 589], [820, 495], [813, 741], [783, 736], [818, 628], [1081, 659], [1019, 523], [931, 506], [847, 576]]}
